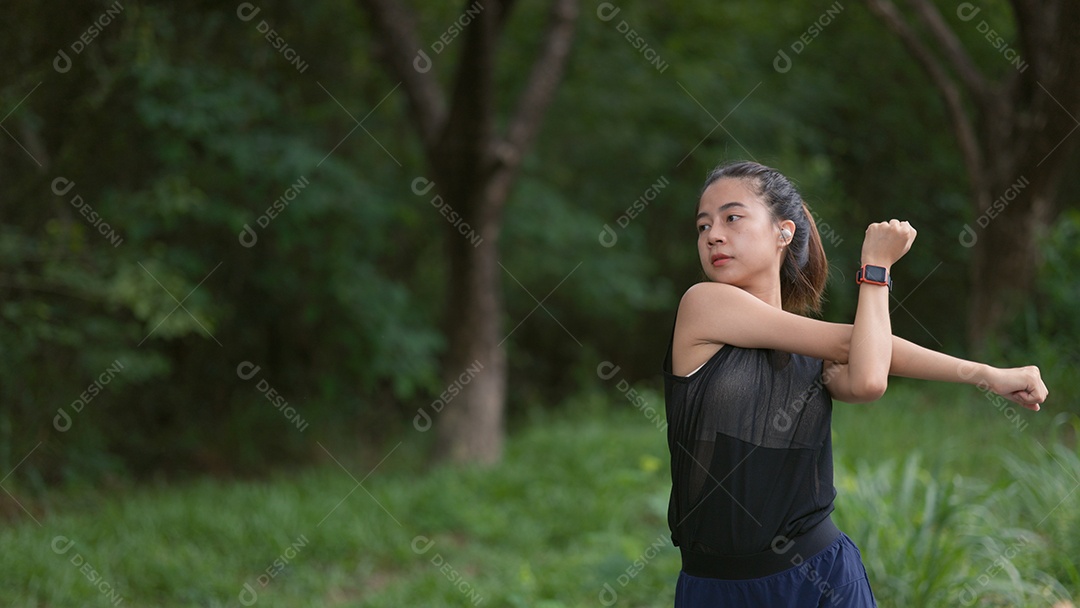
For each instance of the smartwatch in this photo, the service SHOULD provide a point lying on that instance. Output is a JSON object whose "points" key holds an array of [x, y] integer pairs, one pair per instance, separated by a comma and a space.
{"points": [[875, 275]]}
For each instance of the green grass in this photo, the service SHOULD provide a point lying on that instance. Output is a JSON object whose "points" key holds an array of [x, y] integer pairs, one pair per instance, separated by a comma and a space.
{"points": [[950, 503], [955, 499], [570, 509]]}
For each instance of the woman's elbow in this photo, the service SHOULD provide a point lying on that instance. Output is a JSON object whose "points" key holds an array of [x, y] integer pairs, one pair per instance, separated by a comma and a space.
{"points": [[870, 389]]}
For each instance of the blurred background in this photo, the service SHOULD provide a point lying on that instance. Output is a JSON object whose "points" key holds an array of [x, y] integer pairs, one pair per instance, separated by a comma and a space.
{"points": [[258, 256]]}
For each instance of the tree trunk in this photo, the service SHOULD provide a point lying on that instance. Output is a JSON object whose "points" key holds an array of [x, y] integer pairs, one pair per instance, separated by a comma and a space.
{"points": [[1025, 146], [1005, 252], [474, 168], [471, 426]]}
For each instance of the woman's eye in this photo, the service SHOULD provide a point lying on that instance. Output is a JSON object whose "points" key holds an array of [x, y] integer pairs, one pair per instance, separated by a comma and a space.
{"points": [[702, 227], [733, 217]]}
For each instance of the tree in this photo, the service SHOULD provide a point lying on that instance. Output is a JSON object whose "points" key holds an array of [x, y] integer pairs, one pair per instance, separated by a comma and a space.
{"points": [[1015, 135], [473, 167]]}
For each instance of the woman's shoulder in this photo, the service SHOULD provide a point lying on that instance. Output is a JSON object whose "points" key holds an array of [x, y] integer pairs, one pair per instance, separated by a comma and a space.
{"points": [[709, 292]]}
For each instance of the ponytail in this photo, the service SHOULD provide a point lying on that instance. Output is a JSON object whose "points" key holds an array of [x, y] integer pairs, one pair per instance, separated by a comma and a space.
{"points": [[804, 271]]}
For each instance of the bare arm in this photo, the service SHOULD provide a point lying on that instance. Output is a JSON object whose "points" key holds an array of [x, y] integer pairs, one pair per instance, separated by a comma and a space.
{"points": [[866, 375], [876, 354], [1023, 385], [714, 313], [913, 361]]}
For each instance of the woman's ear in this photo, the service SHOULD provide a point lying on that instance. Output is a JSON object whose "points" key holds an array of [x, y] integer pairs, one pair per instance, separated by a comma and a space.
{"points": [[787, 231]]}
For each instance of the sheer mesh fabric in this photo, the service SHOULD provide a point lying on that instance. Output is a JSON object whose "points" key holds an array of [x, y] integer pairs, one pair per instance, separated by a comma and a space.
{"points": [[751, 450]]}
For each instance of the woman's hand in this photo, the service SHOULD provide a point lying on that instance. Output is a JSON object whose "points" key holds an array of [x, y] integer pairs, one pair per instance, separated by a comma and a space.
{"points": [[887, 242], [1022, 385]]}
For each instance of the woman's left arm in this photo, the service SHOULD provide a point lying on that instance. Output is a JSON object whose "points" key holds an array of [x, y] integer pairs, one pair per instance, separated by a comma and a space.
{"points": [[1022, 385]]}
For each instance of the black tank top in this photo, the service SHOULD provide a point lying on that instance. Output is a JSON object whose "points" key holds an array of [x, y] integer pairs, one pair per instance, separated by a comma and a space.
{"points": [[751, 451]]}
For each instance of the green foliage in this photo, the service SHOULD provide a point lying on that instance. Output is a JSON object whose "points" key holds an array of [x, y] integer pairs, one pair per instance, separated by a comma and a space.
{"points": [[953, 503], [572, 506], [180, 125], [1048, 328], [1047, 479], [932, 542], [578, 503], [194, 149]]}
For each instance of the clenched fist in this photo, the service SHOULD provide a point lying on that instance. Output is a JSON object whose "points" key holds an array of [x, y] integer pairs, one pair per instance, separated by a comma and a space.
{"points": [[887, 242], [1023, 385]]}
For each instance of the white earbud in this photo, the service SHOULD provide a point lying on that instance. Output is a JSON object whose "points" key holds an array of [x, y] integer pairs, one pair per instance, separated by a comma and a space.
{"points": [[785, 234]]}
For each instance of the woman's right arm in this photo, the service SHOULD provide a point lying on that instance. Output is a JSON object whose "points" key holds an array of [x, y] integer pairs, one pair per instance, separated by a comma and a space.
{"points": [[716, 313]]}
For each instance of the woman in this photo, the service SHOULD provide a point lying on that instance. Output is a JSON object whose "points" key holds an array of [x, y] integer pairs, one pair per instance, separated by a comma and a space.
{"points": [[749, 384]]}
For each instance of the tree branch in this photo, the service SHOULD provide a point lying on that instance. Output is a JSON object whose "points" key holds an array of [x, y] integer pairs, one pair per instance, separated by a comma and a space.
{"points": [[954, 51], [950, 93], [396, 30], [547, 72]]}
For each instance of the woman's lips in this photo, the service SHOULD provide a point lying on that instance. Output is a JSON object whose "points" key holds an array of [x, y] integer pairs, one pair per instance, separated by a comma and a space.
{"points": [[720, 260]]}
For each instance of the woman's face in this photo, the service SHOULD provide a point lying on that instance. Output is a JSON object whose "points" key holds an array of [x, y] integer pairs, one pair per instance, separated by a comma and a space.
{"points": [[739, 241]]}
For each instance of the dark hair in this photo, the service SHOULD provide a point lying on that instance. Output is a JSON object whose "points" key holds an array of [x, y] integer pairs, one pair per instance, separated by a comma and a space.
{"points": [[805, 269]]}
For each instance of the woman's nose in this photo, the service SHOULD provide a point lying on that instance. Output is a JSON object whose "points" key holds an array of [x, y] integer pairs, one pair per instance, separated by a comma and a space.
{"points": [[715, 235]]}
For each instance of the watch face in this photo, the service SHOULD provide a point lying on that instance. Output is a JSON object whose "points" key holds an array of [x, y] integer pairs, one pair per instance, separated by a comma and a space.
{"points": [[875, 274]]}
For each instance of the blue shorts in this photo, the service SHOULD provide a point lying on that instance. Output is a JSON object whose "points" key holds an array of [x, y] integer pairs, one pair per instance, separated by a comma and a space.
{"points": [[834, 578]]}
